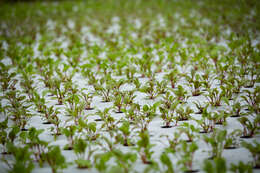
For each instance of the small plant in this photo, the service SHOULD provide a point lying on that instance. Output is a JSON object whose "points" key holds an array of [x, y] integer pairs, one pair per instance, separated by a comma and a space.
{"points": [[187, 151], [231, 140], [119, 102], [237, 110], [189, 130], [199, 106], [150, 89], [174, 142], [69, 132], [184, 114], [55, 158], [253, 100], [22, 159], [88, 100], [241, 167], [168, 114], [254, 149], [91, 129], [181, 94], [206, 122], [216, 141], [249, 128], [215, 97], [79, 148], [126, 132], [144, 148], [38, 146], [218, 165], [172, 76]]}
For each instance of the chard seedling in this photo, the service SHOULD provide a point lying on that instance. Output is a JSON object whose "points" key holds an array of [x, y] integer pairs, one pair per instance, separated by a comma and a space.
{"points": [[22, 159], [144, 147], [126, 133], [250, 128], [241, 167], [150, 89], [38, 146], [91, 129], [236, 110], [253, 100], [254, 149], [87, 99], [216, 140], [199, 106], [181, 94], [218, 165], [231, 140], [69, 132], [187, 151], [220, 117], [119, 102], [183, 114], [49, 112], [206, 122], [83, 160], [189, 130], [215, 97], [172, 76], [6, 79], [55, 158]]}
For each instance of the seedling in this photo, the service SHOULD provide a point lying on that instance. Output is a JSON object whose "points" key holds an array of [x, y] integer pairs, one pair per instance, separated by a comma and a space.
{"points": [[91, 129], [172, 76], [249, 128], [88, 100], [181, 94], [187, 152], [83, 160], [126, 132], [216, 141], [218, 165], [55, 158], [241, 167], [189, 130], [166, 161], [215, 97], [144, 148], [168, 114], [69, 132], [231, 141], [253, 100], [150, 89], [254, 149], [206, 122], [184, 114]]}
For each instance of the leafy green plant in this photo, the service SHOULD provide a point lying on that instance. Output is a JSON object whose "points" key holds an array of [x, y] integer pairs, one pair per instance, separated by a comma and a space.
{"points": [[241, 167], [150, 89], [55, 158], [254, 149], [126, 132], [144, 147], [168, 114], [216, 140], [187, 151], [249, 128], [69, 132], [231, 140], [22, 159], [184, 114], [83, 160], [38, 146], [215, 97], [91, 129], [172, 76], [166, 161], [218, 165], [253, 100], [189, 130], [206, 122], [181, 94]]}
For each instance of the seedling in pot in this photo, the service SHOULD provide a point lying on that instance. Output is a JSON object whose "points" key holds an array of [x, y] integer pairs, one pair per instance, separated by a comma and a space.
{"points": [[249, 128], [79, 147], [254, 149]]}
